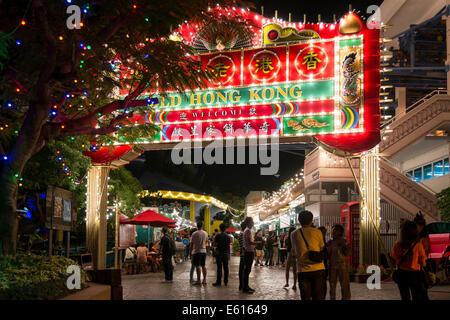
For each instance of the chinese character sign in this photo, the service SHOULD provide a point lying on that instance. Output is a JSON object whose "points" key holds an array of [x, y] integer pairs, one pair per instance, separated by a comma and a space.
{"points": [[314, 79]]}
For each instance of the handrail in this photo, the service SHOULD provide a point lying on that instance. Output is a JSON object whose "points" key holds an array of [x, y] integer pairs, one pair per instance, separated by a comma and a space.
{"points": [[412, 106], [393, 165]]}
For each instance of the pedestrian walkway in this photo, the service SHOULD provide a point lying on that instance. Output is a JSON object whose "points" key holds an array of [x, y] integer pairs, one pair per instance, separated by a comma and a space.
{"points": [[267, 281]]}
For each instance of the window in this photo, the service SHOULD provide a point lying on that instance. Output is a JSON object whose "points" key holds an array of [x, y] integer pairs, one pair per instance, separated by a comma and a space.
{"points": [[338, 191], [433, 170], [427, 172], [438, 169], [409, 174], [330, 191], [418, 174], [313, 193]]}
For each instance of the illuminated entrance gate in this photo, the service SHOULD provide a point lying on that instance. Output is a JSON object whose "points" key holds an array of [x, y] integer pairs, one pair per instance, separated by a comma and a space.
{"points": [[292, 81]]}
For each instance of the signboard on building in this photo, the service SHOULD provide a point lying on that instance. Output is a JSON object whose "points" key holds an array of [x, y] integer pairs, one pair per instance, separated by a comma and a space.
{"points": [[60, 209]]}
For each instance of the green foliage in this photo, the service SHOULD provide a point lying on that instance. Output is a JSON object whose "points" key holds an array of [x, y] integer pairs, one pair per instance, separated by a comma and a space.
{"points": [[35, 277], [236, 245], [90, 63], [444, 204], [4, 55], [125, 186], [44, 168]]}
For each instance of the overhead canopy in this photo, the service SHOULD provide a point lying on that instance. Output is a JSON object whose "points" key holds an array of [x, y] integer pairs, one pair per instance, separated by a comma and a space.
{"points": [[230, 229], [151, 218]]}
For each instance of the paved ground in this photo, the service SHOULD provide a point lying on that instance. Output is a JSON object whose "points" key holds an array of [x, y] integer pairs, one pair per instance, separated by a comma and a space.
{"points": [[267, 281]]}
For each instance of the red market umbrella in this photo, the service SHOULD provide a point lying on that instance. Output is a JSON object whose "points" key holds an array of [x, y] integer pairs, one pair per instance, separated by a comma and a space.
{"points": [[151, 218], [172, 225], [183, 232], [230, 229]]}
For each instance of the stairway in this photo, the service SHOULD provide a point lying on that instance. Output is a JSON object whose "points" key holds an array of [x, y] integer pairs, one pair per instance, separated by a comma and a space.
{"points": [[424, 116], [406, 195]]}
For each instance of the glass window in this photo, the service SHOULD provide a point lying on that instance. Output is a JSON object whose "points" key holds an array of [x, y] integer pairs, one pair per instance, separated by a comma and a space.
{"points": [[409, 174], [438, 169], [346, 191], [418, 174], [427, 172], [446, 166], [313, 193]]}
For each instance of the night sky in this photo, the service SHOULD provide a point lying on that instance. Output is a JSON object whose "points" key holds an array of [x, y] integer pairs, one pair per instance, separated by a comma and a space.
{"points": [[240, 179]]}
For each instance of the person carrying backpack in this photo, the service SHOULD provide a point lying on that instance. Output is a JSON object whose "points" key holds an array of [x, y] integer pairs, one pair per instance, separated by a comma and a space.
{"points": [[168, 249]]}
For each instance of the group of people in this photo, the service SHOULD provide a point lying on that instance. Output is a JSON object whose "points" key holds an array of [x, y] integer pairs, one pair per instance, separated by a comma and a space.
{"points": [[314, 261], [139, 255], [304, 250], [411, 256], [272, 248]]}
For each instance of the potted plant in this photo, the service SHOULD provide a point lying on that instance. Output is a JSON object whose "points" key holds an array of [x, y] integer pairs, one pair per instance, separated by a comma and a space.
{"points": [[361, 275]]}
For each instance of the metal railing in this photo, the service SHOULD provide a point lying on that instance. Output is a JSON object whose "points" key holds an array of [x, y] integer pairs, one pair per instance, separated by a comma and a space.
{"points": [[412, 106]]}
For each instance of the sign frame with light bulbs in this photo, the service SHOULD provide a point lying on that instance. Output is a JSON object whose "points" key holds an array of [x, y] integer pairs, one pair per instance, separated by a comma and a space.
{"points": [[317, 79]]}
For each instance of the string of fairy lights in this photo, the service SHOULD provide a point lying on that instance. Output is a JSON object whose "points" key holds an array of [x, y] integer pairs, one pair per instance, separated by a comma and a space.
{"points": [[281, 196]]}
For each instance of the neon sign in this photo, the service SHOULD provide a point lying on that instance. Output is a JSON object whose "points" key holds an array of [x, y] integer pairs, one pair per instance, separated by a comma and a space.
{"points": [[313, 79]]}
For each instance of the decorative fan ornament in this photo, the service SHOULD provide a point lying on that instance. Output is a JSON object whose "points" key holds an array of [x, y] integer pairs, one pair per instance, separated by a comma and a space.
{"points": [[216, 36]]}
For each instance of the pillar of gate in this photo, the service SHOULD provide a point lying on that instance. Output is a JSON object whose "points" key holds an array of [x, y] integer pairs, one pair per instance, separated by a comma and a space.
{"points": [[96, 205], [369, 252], [207, 220], [192, 210]]}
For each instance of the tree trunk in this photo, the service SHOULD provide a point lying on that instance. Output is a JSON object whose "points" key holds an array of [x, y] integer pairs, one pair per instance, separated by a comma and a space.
{"points": [[23, 149], [8, 215]]}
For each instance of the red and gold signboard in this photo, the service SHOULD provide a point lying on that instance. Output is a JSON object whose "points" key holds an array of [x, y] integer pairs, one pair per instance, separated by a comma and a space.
{"points": [[313, 79]]}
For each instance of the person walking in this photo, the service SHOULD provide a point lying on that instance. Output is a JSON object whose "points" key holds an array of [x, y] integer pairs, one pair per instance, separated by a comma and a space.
{"points": [[311, 273], [249, 254], [282, 249], [269, 247], [259, 249], [241, 256], [338, 250], [409, 255], [198, 252], [191, 273], [424, 238], [167, 253], [290, 261], [141, 257], [222, 251]]}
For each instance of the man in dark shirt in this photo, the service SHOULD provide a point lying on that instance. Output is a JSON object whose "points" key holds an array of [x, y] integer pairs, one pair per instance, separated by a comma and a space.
{"points": [[269, 246], [222, 250], [166, 256], [241, 256], [259, 248]]}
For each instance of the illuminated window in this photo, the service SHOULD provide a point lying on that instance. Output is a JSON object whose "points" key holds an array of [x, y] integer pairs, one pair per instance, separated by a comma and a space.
{"points": [[427, 172], [418, 174], [438, 169], [409, 174], [446, 171]]}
